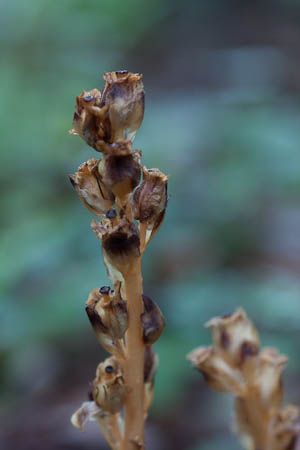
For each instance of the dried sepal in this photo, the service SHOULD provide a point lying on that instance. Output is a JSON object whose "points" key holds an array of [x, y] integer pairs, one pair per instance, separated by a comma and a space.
{"points": [[87, 411], [235, 337], [150, 364], [120, 244], [149, 202], [91, 189], [108, 316], [109, 389], [121, 171], [219, 375], [150, 367], [153, 321]]}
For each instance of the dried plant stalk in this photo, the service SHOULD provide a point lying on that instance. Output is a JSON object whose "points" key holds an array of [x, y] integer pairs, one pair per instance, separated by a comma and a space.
{"points": [[235, 364], [126, 322]]}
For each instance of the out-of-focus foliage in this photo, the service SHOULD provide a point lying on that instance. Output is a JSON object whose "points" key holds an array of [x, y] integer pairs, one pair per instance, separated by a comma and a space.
{"points": [[222, 117]]}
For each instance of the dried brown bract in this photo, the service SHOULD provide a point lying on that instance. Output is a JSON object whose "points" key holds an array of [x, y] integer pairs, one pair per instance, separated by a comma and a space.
{"points": [[126, 324], [254, 377]]}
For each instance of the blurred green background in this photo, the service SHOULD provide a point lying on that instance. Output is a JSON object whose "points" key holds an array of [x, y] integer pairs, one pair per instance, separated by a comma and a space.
{"points": [[223, 118]]}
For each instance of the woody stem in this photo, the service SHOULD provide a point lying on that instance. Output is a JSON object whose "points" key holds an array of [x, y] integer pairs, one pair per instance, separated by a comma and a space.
{"points": [[134, 364]]}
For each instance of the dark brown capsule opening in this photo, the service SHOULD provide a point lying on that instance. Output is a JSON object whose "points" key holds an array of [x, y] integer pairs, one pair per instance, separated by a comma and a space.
{"points": [[120, 243], [109, 369], [248, 349], [111, 214], [88, 98], [225, 340], [104, 290]]}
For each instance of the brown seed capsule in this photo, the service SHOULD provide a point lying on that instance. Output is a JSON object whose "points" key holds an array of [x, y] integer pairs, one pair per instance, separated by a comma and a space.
{"points": [[235, 337], [120, 244], [217, 373], [150, 201], [121, 172], [108, 317], [153, 321], [91, 189], [110, 390]]}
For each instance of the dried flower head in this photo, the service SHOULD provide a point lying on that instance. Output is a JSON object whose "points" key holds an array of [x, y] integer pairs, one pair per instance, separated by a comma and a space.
{"points": [[217, 373], [235, 365], [108, 316], [113, 116], [235, 337], [120, 244], [285, 429], [91, 189], [109, 389], [267, 378]]}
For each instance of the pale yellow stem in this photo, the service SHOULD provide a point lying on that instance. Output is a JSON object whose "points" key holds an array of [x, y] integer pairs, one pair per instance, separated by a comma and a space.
{"points": [[134, 363]]}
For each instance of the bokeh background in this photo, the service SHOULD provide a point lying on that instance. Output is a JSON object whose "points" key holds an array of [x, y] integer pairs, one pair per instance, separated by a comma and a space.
{"points": [[223, 118]]}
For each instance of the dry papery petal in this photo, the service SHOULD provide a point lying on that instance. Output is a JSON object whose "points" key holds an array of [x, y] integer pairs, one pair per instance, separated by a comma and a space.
{"points": [[235, 337], [150, 201], [110, 390], [150, 367], [91, 189], [218, 374], [87, 411], [120, 244], [285, 429], [267, 378]]}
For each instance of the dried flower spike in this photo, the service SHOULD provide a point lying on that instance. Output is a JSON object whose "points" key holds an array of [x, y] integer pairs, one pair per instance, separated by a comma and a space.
{"points": [[125, 322], [235, 365]]}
